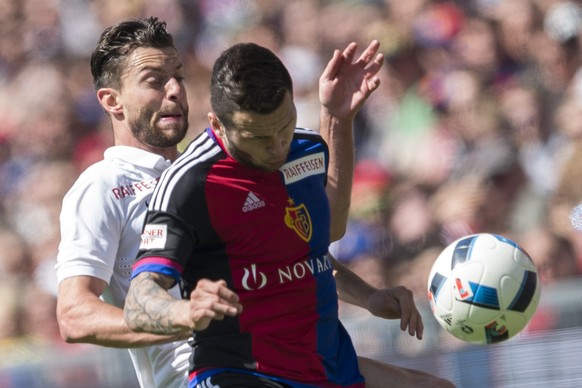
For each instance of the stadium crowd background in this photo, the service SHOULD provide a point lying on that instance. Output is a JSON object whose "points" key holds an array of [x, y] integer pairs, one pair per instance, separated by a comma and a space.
{"points": [[477, 127]]}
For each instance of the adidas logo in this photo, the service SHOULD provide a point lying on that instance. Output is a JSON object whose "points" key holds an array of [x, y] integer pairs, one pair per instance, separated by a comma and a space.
{"points": [[252, 202]]}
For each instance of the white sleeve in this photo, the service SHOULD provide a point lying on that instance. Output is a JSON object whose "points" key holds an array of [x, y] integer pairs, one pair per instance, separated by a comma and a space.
{"points": [[90, 230]]}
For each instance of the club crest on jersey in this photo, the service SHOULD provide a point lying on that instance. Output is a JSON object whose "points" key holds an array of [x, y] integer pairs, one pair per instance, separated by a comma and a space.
{"points": [[298, 219]]}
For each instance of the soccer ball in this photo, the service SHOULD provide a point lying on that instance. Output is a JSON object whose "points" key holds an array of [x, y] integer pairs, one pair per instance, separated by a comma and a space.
{"points": [[483, 288]]}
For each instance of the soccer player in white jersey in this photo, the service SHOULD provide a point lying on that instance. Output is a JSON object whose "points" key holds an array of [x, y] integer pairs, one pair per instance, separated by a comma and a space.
{"points": [[138, 76]]}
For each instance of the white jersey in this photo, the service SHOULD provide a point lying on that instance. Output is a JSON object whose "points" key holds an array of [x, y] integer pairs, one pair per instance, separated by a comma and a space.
{"points": [[101, 223]]}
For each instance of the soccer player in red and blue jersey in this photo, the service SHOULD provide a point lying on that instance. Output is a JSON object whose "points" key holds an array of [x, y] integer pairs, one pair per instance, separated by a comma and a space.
{"points": [[243, 219]]}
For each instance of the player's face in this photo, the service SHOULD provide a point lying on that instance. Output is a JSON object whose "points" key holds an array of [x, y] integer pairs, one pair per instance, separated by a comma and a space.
{"points": [[262, 141], [154, 97]]}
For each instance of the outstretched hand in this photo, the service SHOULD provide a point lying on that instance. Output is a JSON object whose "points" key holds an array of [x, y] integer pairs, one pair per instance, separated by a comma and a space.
{"points": [[394, 303], [345, 84]]}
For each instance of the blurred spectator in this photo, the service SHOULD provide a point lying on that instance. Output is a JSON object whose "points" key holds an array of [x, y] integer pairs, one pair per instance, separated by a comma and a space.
{"points": [[566, 198], [410, 224], [198, 91], [477, 49], [541, 149], [90, 147], [568, 117], [568, 192], [33, 210], [544, 145], [563, 20], [109, 12], [554, 256], [39, 322], [44, 186], [28, 327], [555, 51], [458, 207], [300, 25], [12, 49], [11, 325], [366, 234], [502, 213], [410, 145], [414, 273], [15, 260], [471, 116], [41, 28], [351, 16], [516, 21]]}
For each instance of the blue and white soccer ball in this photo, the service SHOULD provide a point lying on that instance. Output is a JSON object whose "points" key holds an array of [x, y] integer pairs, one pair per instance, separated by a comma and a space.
{"points": [[483, 288]]}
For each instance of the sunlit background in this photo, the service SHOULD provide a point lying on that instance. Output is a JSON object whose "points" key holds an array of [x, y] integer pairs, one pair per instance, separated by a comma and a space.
{"points": [[476, 127]]}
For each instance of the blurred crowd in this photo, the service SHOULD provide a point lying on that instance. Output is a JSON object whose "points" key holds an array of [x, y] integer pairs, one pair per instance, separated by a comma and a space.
{"points": [[476, 127]]}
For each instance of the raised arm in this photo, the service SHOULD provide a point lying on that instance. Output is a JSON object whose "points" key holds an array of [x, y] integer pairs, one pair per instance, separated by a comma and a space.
{"points": [[344, 87], [149, 307], [84, 318]]}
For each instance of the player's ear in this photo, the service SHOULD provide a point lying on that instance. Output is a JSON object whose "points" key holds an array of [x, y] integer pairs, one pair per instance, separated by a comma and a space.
{"points": [[215, 124], [109, 100]]}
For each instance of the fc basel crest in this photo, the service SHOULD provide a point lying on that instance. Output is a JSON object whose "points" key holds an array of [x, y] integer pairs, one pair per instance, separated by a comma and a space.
{"points": [[298, 219]]}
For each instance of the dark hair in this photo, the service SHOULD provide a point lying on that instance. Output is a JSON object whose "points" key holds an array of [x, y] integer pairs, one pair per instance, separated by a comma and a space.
{"points": [[248, 77], [117, 42]]}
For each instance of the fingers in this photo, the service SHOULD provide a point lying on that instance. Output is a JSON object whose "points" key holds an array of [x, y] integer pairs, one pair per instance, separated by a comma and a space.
{"points": [[412, 321], [409, 316], [369, 53], [212, 300], [375, 66], [225, 299], [349, 52], [373, 84], [373, 62], [369, 57], [332, 67], [370, 60]]}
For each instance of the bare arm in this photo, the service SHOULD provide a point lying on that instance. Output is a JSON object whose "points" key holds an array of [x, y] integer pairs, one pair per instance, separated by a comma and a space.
{"points": [[84, 318], [344, 87], [149, 307], [390, 303], [340, 172], [351, 288]]}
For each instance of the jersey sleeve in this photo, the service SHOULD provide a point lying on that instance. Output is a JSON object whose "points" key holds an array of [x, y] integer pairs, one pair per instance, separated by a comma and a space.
{"points": [[90, 231], [165, 242], [167, 239], [317, 143]]}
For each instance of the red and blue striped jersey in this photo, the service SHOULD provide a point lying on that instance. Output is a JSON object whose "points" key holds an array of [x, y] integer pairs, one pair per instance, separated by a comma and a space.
{"points": [[267, 235]]}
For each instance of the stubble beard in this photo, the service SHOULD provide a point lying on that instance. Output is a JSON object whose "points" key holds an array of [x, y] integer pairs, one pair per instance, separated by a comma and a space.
{"points": [[145, 129]]}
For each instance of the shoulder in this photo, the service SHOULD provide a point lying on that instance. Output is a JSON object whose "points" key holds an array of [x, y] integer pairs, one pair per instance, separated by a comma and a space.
{"points": [[307, 134], [110, 180], [98, 176], [199, 153], [307, 141], [96, 189], [188, 173]]}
